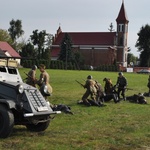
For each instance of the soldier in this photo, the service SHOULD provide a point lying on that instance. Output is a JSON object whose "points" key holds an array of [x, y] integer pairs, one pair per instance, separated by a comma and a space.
{"points": [[137, 98], [141, 99], [110, 91], [63, 108], [100, 92], [108, 86], [148, 85], [91, 91], [44, 80], [121, 84], [31, 76]]}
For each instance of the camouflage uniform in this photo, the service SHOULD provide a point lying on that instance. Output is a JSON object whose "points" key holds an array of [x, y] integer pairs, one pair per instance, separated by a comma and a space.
{"points": [[121, 83], [110, 92], [148, 85], [31, 79], [90, 90], [108, 88], [100, 92]]}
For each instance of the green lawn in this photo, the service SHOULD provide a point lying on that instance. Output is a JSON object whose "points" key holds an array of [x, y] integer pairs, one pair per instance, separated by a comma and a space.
{"points": [[121, 126]]}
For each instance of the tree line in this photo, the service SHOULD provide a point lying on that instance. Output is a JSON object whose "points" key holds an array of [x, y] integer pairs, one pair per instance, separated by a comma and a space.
{"points": [[39, 43]]}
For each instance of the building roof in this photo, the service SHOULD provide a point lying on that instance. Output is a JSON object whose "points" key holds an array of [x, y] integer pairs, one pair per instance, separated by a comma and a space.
{"points": [[88, 38], [122, 16], [5, 47], [84, 38], [55, 52]]}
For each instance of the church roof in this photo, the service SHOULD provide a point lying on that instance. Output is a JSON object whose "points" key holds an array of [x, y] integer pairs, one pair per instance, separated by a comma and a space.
{"points": [[122, 16], [88, 38], [5, 47]]}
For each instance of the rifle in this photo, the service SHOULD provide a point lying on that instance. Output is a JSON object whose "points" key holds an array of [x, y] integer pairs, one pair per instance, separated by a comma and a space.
{"points": [[125, 88], [29, 76], [115, 86], [128, 89], [79, 83]]}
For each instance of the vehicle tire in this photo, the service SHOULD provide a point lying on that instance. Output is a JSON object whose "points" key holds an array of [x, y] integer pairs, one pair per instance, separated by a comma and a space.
{"points": [[38, 127], [6, 122]]}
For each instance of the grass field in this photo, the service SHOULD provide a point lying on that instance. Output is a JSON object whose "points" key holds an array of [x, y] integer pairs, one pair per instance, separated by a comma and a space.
{"points": [[121, 126]]}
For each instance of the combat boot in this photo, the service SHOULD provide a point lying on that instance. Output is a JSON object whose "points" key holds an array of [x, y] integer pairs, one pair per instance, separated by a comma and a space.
{"points": [[124, 98], [93, 102], [86, 103], [101, 104], [115, 98]]}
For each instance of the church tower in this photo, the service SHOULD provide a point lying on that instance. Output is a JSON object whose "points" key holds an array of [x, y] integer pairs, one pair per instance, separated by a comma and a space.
{"points": [[122, 34]]}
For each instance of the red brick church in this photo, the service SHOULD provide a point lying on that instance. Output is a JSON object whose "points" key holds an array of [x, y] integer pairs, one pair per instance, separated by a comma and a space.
{"points": [[98, 48]]}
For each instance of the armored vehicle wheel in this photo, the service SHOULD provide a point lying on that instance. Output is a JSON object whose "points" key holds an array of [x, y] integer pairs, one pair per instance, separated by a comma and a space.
{"points": [[39, 127], [6, 122]]}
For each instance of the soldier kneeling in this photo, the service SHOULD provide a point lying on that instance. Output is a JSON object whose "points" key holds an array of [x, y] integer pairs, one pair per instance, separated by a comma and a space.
{"points": [[110, 91]]}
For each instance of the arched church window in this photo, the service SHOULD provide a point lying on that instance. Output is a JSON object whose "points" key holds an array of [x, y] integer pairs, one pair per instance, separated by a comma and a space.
{"points": [[121, 28]]}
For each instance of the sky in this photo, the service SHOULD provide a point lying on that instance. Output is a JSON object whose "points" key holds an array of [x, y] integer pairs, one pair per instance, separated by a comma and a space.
{"points": [[75, 16]]}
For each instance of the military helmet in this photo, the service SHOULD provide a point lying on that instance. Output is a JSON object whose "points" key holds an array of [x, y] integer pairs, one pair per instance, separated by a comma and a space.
{"points": [[120, 73], [105, 79], [89, 77], [34, 67]]}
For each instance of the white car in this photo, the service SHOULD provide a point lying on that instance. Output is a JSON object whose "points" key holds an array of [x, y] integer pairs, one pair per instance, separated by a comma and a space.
{"points": [[144, 71]]}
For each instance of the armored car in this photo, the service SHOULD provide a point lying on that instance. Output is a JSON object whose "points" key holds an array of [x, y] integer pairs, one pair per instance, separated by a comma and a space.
{"points": [[20, 103]]}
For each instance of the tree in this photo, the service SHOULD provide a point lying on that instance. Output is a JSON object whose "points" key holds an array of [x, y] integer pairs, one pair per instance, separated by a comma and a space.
{"points": [[15, 29], [131, 58], [15, 32], [111, 27], [79, 59], [4, 36], [66, 54], [42, 41], [143, 45], [28, 51], [46, 54]]}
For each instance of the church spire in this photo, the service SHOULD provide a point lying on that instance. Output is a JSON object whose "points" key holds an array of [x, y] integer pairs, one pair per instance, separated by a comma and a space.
{"points": [[59, 30], [122, 16]]}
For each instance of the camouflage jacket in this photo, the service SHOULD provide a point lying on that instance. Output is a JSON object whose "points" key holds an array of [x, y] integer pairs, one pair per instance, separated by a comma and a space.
{"points": [[90, 85], [121, 81]]}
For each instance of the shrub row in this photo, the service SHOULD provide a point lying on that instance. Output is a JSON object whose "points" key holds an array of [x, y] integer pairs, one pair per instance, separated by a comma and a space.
{"points": [[107, 68], [56, 64], [53, 64], [30, 63]]}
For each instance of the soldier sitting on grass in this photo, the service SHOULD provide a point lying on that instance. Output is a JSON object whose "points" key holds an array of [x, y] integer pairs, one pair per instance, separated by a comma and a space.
{"points": [[110, 91]]}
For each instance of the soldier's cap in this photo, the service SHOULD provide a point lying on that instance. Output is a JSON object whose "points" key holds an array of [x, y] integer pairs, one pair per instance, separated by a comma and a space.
{"points": [[42, 66]]}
